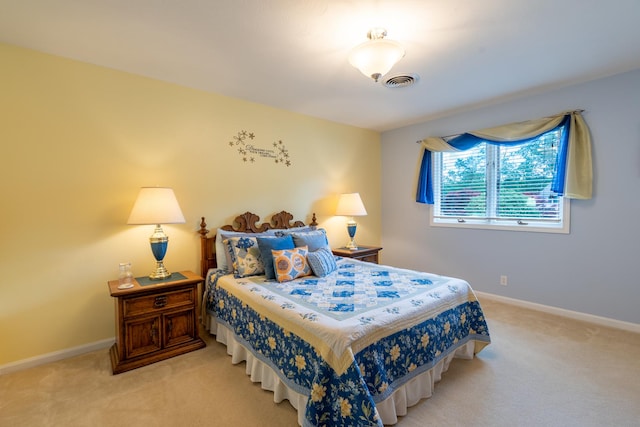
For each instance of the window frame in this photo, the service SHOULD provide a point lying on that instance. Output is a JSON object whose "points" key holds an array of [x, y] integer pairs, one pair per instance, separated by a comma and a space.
{"points": [[529, 225]]}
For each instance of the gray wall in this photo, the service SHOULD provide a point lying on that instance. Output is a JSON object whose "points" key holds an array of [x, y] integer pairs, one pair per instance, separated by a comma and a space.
{"points": [[595, 269]]}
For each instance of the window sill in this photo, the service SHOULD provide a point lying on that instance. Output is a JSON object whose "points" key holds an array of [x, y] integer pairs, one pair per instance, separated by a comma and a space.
{"points": [[504, 226]]}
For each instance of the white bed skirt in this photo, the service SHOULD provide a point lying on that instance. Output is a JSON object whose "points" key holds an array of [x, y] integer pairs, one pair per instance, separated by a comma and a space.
{"points": [[420, 387]]}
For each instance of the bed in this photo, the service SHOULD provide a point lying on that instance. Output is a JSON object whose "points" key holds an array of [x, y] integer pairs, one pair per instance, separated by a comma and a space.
{"points": [[355, 344]]}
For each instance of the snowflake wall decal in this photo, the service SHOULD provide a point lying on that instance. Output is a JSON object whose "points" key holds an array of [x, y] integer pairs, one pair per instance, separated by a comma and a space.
{"points": [[248, 151]]}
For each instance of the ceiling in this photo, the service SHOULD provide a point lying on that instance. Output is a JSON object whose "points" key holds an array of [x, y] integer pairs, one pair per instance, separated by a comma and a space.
{"points": [[292, 54]]}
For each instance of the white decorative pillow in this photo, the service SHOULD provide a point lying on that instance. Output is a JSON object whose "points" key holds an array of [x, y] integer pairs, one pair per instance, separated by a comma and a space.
{"points": [[245, 256], [303, 229]]}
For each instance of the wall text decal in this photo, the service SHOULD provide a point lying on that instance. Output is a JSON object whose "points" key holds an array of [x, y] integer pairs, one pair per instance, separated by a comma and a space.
{"points": [[249, 152]]}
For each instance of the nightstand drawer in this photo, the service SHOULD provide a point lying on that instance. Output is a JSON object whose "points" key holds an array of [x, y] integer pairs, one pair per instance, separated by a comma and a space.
{"points": [[363, 253], [145, 304], [369, 258]]}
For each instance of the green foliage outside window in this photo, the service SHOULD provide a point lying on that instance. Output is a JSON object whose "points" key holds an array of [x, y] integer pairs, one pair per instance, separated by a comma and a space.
{"points": [[502, 181]]}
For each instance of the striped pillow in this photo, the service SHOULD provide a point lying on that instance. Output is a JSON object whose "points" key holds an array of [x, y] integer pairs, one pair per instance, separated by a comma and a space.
{"points": [[322, 262]]}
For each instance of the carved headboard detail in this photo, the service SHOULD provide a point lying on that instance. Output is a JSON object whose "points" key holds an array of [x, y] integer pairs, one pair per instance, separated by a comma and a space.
{"points": [[245, 223]]}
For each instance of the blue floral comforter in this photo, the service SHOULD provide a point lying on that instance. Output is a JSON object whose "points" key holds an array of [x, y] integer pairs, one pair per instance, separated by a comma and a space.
{"points": [[348, 340]]}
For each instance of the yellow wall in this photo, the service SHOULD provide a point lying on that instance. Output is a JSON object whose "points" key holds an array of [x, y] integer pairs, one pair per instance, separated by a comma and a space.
{"points": [[78, 141]]}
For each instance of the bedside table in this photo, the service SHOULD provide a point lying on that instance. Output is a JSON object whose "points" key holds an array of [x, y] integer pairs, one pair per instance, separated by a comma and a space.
{"points": [[155, 320], [363, 253]]}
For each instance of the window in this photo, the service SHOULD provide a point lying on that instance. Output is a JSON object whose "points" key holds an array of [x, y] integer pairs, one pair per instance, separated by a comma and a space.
{"points": [[505, 186]]}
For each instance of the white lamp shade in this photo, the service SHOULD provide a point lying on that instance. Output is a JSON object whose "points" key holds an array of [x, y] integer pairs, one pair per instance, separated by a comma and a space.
{"points": [[156, 205], [350, 204], [376, 57]]}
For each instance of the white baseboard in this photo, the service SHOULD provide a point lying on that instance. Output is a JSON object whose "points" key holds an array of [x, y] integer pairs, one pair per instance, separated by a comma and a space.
{"points": [[598, 320], [55, 356]]}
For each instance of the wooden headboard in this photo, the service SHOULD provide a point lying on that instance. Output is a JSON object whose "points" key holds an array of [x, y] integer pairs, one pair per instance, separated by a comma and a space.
{"points": [[245, 223]]}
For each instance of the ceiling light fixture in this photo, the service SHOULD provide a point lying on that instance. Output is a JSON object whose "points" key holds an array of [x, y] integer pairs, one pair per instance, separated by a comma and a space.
{"points": [[375, 57]]}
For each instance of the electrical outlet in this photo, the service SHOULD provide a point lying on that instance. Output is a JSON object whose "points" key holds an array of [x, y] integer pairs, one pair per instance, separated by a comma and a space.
{"points": [[504, 281]]}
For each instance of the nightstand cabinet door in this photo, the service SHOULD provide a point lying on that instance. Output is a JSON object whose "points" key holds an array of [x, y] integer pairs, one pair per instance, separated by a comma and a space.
{"points": [[178, 327], [142, 336]]}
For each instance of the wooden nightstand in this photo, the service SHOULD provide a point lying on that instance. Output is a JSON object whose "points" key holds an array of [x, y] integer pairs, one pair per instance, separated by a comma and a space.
{"points": [[155, 321], [363, 253]]}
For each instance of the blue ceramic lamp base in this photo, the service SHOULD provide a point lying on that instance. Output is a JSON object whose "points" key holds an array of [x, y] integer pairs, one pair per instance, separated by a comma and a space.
{"points": [[351, 229], [159, 243]]}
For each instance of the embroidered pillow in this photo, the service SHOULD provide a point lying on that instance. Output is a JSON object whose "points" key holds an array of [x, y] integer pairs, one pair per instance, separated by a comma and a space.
{"points": [[290, 264], [245, 256], [266, 245], [322, 262], [222, 254], [314, 240]]}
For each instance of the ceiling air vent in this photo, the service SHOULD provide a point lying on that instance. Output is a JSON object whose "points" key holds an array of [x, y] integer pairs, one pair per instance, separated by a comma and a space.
{"points": [[401, 80]]}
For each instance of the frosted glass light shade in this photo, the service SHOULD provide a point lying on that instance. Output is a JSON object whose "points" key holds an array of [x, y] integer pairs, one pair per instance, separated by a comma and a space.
{"points": [[156, 205], [374, 58], [350, 204]]}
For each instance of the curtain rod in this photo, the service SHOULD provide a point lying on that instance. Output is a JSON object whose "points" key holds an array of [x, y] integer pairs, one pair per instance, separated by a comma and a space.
{"points": [[580, 110]]}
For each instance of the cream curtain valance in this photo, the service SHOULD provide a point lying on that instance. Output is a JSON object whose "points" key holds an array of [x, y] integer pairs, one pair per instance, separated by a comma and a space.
{"points": [[578, 169]]}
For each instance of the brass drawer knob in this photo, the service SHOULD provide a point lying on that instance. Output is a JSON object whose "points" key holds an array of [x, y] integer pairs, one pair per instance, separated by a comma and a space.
{"points": [[160, 301]]}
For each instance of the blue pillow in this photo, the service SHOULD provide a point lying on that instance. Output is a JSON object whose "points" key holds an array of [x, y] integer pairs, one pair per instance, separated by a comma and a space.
{"points": [[314, 240], [266, 245], [322, 262]]}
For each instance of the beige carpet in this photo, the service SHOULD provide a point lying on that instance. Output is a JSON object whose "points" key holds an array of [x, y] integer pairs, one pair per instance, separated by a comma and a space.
{"points": [[540, 370]]}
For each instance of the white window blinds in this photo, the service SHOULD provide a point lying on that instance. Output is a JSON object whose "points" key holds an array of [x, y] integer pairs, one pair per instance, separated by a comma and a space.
{"points": [[499, 183]]}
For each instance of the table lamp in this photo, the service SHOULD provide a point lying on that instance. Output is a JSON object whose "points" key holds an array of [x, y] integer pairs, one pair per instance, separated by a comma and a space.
{"points": [[351, 205], [157, 205]]}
